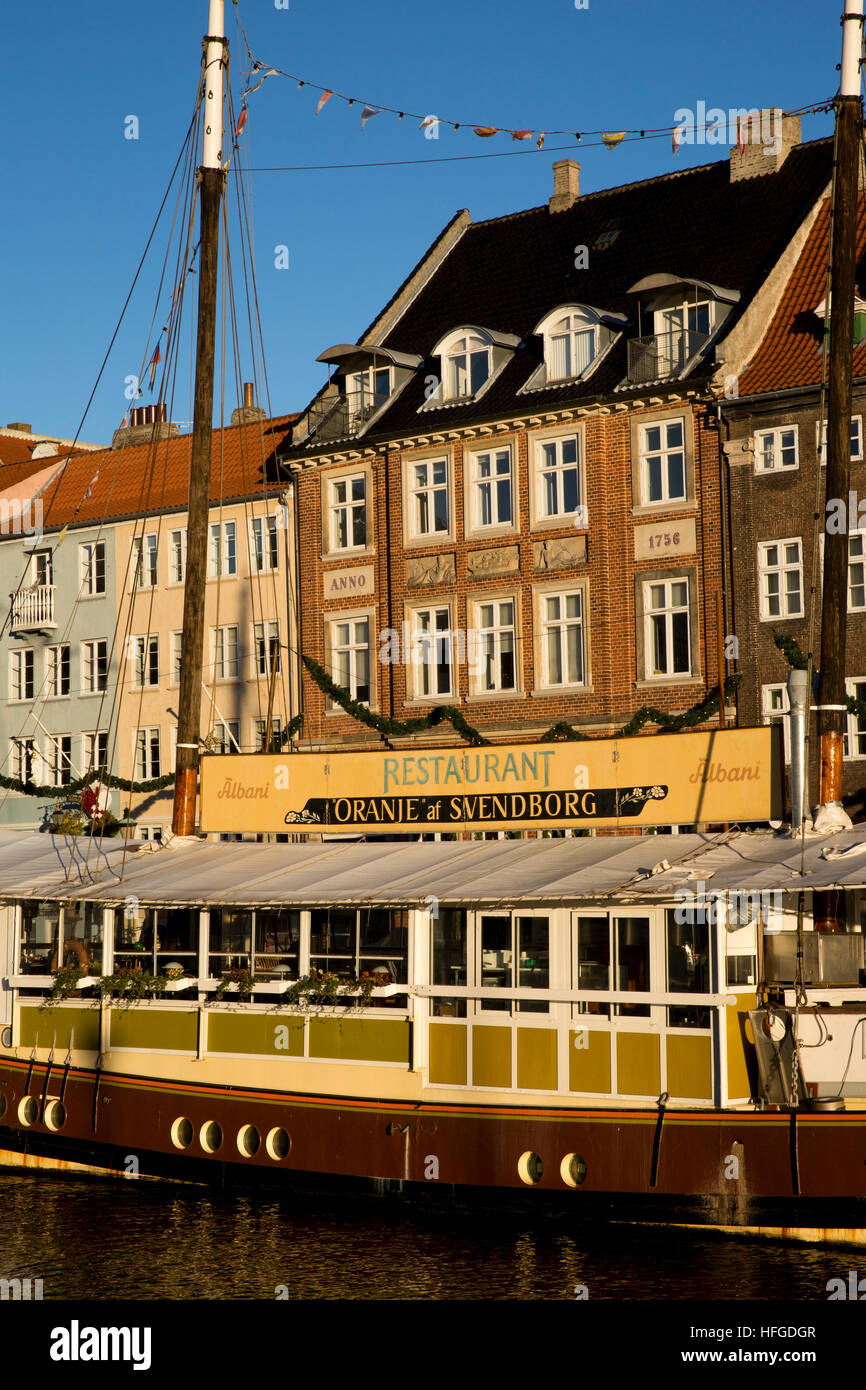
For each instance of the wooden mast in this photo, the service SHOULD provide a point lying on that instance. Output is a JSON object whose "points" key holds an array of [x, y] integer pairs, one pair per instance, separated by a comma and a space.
{"points": [[211, 179]]}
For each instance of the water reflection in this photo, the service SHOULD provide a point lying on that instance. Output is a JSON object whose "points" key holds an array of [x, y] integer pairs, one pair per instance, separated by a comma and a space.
{"points": [[139, 1240]]}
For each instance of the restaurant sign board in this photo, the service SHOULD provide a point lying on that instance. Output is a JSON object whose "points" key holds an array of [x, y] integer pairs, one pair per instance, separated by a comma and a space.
{"points": [[669, 779]]}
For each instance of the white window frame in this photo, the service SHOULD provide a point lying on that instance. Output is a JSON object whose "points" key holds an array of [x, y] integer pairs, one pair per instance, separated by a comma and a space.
{"points": [[146, 765], [145, 655], [90, 757], [363, 398], [669, 612], [145, 561], [348, 506], [577, 515], [664, 451], [176, 657], [54, 671], [264, 544], [259, 730], [770, 443], [220, 652], [90, 658], [222, 550], [777, 714], [461, 347], [477, 484], [498, 649], [857, 538], [42, 559], [56, 756], [226, 732], [782, 569], [22, 674], [88, 553], [427, 643], [19, 747], [352, 647], [577, 325], [852, 734], [856, 440], [264, 633], [428, 491], [543, 596], [177, 552]]}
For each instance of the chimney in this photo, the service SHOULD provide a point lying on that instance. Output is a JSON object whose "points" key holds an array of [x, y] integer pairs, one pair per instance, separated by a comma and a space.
{"points": [[18, 425], [566, 185], [249, 411], [767, 136], [146, 422]]}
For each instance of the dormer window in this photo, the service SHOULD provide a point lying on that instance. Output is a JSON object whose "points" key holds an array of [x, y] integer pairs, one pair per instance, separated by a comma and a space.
{"points": [[367, 390], [677, 317], [575, 337], [367, 378], [466, 366]]}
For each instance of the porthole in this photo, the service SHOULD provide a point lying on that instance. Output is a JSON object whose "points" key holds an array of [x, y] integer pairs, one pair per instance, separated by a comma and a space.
{"points": [[55, 1115], [572, 1170], [277, 1144], [181, 1133], [530, 1168], [210, 1136], [27, 1111], [2, 1105], [6, 1037], [249, 1140]]}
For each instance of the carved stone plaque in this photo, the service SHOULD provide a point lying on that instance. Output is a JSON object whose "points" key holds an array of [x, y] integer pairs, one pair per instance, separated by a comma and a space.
{"points": [[559, 554], [483, 563], [424, 570]]}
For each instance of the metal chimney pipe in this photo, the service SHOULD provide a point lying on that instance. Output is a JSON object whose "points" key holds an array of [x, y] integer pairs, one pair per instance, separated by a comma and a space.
{"points": [[798, 698], [249, 402]]}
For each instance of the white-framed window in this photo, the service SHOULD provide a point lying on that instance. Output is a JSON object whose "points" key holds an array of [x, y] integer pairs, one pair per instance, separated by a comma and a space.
{"points": [[492, 488], [94, 751], [432, 652], [856, 571], [223, 550], [682, 331], [264, 545], [775, 707], [350, 656], [21, 665], [667, 628], [59, 750], [226, 736], [496, 624], [177, 556], [224, 653], [145, 661], [560, 481], [367, 390], [91, 558], [855, 736], [266, 647], [466, 364], [429, 505], [144, 566], [147, 754], [562, 638], [776, 450], [570, 346], [260, 734], [57, 670], [94, 665], [662, 462], [780, 571], [348, 512], [42, 567], [176, 656], [513, 952], [856, 439], [25, 759]]}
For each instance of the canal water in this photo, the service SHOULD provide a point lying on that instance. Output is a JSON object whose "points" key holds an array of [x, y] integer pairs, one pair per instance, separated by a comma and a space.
{"points": [[95, 1240]]}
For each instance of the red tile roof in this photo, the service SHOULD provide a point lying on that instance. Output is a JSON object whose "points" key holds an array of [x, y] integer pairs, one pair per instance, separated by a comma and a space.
{"points": [[149, 478], [789, 354]]}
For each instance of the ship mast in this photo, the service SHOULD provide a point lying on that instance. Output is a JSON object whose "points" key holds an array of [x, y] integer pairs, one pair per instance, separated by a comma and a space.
{"points": [[211, 179]]}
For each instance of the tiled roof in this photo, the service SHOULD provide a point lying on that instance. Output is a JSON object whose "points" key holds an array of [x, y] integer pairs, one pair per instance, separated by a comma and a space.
{"points": [[147, 479], [789, 354], [507, 273]]}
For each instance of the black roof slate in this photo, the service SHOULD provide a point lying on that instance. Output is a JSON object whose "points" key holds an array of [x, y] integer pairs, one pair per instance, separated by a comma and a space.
{"points": [[507, 273]]}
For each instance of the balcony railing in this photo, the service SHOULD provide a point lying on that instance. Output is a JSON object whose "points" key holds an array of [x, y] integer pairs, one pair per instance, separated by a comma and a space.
{"points": [[33, 608], [338, 417], [663, 355]]}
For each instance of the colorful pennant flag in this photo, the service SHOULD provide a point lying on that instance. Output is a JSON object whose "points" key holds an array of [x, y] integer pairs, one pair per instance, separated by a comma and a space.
{"points": [[367, 114], [485, 131], [428, 121], [741, 135], [677, 137], [612, 139], [521, 134], [325, 97], [539, 144], [242, 120], [154, 363], [90, 486]]}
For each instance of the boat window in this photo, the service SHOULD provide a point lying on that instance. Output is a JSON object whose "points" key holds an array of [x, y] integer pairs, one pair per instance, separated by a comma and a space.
{"points": [[353, 942], [83, 922], [631, 941], [40, 936], [515, 953], [231, 932], [156, 940], [278, 938], [688, 965], [448, 966], [593, 961]]}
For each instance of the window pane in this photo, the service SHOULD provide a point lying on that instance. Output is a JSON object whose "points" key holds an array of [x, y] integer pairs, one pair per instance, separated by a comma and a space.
{"points": [[632, 959], [593, 961], [496, 959]]}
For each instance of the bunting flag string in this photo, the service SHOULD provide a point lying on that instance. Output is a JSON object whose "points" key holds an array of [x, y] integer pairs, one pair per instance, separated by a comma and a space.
{"points": [[431, 124]]}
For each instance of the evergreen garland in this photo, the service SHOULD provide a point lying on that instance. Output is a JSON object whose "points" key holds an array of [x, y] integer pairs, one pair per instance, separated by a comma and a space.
{"points": [[105, 779], [396, 728], [798, 662]]}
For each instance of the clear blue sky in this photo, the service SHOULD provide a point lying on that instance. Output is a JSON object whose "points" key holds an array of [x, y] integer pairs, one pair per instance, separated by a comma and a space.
{"points": [[79, 198]]}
